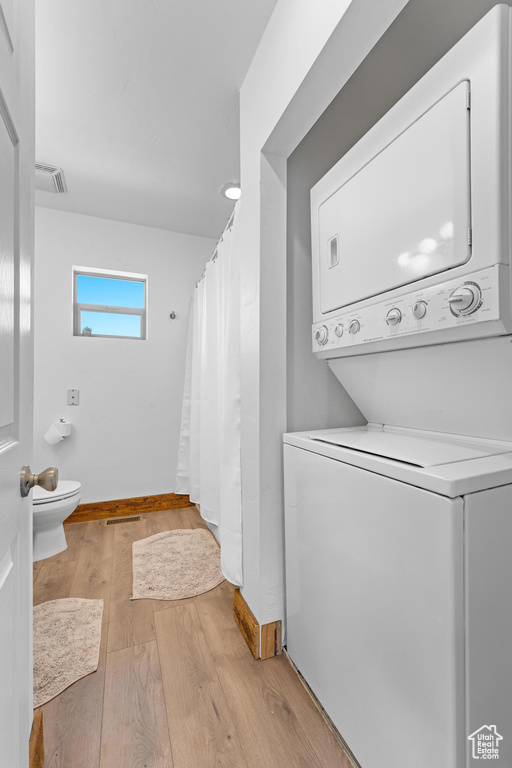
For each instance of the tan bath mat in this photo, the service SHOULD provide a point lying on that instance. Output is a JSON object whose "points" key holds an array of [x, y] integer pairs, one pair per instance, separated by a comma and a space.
{"points": [[175, 564], [67, 635]]}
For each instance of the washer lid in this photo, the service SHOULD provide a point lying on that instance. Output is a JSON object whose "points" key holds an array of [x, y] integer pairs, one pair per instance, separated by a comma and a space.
{"points": [[451, 465], [65, 488], [414, 449]]}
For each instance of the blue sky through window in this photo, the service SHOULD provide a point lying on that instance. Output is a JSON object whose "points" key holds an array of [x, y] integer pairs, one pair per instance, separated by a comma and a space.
{"points": [[109, 292], [111, 324]]}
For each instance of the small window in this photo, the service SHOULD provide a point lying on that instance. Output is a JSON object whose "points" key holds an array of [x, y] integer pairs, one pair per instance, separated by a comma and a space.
{"points": [[110, 304]]}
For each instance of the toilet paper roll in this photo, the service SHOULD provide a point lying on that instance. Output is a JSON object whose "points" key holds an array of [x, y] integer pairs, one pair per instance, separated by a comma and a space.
{"points": [[53, 436], [58, 431], [64, 427]]}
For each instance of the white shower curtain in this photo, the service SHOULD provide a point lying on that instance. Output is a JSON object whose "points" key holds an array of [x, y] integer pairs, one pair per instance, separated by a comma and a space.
{"points": [[209, 454]]}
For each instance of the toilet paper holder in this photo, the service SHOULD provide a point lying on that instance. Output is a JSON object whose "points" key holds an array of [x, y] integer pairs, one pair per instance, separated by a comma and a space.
{"points": [[57, 431]]}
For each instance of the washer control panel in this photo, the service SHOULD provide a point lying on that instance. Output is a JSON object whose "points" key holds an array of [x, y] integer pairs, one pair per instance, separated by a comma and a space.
{"points": [[450, 304]]}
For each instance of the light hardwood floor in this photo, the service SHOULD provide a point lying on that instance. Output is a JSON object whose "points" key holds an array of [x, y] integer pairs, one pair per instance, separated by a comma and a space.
{"points": [[176, 686]]}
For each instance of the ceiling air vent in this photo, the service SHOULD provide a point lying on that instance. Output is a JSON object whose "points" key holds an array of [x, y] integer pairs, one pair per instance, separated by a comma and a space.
{"points": [[50, 179]]}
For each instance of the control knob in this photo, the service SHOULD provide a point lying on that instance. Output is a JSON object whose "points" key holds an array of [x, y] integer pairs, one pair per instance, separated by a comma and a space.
{"points": [[419, 310], [321, 335], [339, 330], [465, 299], [394, 316], [354, 326]]}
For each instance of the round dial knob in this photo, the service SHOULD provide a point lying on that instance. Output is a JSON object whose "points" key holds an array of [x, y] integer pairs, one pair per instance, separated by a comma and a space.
{"points": [[394, 316], [465, 299], [339, 330], [419, 310], [321, 335], [354, 326]]}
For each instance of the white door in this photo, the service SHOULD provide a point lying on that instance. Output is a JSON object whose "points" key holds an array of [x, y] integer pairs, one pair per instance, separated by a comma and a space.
{"points": [[16, 376]]}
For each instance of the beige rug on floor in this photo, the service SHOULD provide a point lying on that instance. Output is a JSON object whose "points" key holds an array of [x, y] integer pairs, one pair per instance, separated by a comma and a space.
{"points": [[175, 564], [67, 635]]}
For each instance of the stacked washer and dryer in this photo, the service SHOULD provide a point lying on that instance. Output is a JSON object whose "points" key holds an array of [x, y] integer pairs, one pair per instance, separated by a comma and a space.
{"points": [[399, 534]]}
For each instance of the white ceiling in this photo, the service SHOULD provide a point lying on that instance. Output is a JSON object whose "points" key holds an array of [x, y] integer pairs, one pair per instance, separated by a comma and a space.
{"points": [[137, 101]]}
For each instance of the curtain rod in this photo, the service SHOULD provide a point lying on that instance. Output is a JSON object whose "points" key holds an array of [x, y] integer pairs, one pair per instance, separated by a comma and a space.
{"points": [[216, 250], [228, 225]]}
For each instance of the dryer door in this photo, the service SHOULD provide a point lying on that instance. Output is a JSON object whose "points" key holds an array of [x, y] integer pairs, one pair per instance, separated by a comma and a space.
{"points": [[405, 214]]}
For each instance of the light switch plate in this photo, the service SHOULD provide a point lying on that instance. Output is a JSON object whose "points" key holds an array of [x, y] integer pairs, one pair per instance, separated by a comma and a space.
{"points": [[73, 396]]}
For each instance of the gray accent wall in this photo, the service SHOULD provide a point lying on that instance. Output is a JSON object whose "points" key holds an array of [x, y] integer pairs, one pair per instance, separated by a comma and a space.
{"points": [[421, 34]]}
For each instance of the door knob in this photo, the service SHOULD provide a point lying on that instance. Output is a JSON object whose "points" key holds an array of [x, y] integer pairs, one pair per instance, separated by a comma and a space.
{"points": [[47, 479]]}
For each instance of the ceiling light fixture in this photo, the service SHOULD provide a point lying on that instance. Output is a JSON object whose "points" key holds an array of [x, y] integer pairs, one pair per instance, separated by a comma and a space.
{"points": [[231, 190]]}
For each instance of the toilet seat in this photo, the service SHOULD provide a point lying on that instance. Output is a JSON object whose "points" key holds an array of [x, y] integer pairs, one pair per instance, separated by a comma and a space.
{"points": [[65, 489]]}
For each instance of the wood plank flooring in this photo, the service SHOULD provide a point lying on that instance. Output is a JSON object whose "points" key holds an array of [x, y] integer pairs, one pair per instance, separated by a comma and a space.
{"points": [[176, 685]]}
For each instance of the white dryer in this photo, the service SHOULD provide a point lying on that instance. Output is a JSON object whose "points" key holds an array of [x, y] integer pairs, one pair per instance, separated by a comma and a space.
{"points": [[398, 576], [398, 535]]}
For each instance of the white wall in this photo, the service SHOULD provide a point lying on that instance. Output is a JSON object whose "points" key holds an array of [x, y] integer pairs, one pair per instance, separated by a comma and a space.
{"points": [[126, 428]]}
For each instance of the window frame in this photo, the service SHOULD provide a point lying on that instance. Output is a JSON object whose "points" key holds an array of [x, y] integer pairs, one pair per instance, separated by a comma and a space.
{"points": [[78, 308]]}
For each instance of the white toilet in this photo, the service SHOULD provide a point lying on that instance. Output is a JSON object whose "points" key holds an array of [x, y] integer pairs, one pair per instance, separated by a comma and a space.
{"points": [[50, 509]]}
